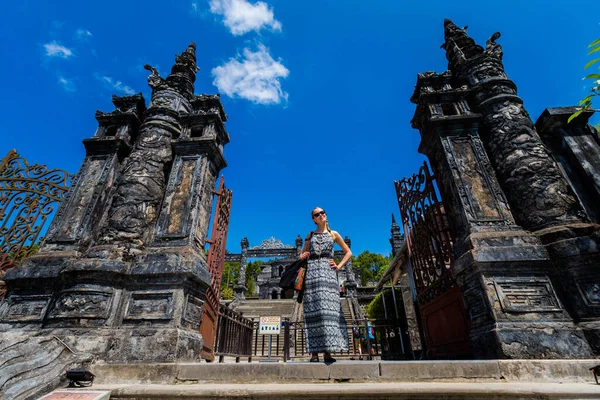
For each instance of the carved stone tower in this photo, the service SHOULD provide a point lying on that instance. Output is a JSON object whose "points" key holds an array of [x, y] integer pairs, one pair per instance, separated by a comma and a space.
{"points": [[123, 274], [396, 239], [521, 237]]}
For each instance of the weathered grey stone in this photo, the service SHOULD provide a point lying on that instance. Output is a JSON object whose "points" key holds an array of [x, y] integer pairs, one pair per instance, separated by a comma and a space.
{"points": [[354, 370], [525, 279], [438, 370], [547, 370], [147, 373], [361, 391], [123, 275], [32, 365]]}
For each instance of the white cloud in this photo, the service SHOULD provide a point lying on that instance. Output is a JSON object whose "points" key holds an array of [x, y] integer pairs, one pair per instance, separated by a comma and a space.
{"points": [[195, 6], [240, 16], [67, 84], [82, 35], [55, 49], [255, 78], [115, 85]]}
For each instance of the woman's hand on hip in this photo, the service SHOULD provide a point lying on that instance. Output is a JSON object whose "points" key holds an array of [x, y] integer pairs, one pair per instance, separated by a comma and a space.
{"points": [[333, 265], [305, 255]]}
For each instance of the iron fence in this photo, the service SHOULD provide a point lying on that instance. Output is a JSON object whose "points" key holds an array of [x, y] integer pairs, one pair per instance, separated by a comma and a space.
{"points": [[234, 335], [367, 340]]}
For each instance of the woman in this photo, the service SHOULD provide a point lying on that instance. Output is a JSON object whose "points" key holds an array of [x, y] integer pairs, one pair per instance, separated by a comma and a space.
{"points": [[323, 318]]}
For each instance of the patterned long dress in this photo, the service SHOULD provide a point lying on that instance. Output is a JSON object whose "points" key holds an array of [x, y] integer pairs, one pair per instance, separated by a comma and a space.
{"points": [[323, 318]]}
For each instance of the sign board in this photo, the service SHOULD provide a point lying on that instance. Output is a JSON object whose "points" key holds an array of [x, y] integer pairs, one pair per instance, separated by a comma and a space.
{"points": [[77, 395], [270, 325]]}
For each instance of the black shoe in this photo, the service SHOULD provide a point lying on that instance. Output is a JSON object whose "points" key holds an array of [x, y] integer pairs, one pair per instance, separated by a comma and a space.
{"points": [[314, 359], [329, 360]]}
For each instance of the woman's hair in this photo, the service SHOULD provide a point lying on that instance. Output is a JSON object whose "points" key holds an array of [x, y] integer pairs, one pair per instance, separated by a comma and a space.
{"points": [[326, 222]]}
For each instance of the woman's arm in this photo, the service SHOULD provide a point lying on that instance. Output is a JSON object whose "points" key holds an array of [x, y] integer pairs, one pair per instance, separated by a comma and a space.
{"points": [[305, 253], [347, 253]]}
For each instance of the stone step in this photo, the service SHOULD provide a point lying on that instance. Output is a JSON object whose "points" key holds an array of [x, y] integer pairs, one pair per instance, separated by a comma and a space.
{"points": [[491, 371], [356, 391]]}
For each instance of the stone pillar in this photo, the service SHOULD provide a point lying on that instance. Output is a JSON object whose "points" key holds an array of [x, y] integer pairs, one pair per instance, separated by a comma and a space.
{"points": [[240, 288], [298, 245], [576, 147], [350, 285], [538, 194], [77, 221], [505, 273], [396, 238], [541, 197], [134, 289]]}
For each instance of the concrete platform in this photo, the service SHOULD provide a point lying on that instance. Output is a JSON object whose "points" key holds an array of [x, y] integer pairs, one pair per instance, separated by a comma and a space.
{"points": [[357, 391], [490, 371]]}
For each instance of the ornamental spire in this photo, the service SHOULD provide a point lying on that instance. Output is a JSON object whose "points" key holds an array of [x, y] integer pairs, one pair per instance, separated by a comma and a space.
{"points": [[458, 44], [183, 73]]}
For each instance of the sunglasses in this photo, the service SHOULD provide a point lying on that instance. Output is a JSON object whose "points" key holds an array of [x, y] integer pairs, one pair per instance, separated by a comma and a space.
{"points": [[315, 215]]}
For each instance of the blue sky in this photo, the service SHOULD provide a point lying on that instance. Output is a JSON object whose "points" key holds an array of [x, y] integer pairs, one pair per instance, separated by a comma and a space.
{"points": [[317, 92]]}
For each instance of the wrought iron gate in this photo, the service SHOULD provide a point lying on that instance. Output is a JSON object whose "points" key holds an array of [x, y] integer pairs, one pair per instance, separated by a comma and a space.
{"points": [[216, 259], [444, 319], [29, 194]]}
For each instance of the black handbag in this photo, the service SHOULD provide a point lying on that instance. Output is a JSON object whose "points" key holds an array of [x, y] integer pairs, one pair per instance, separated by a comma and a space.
{"points": [[288, 278]]}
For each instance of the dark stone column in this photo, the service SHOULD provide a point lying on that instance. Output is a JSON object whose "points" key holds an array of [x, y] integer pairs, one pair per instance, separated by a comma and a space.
{"points": [[576, 147], [240, 288], [396, 238], [538, 194], [78, 219], [350, 285], [505, 272], [134, 289]]}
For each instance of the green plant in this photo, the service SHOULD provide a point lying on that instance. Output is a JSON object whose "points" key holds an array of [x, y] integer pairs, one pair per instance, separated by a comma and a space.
{"points": [[375, 308], [586, 103]]}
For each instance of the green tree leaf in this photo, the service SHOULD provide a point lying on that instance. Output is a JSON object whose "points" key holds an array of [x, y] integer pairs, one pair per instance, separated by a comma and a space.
{"points": [[575, 115], [595, 42], [593, 50], [594, 61]]}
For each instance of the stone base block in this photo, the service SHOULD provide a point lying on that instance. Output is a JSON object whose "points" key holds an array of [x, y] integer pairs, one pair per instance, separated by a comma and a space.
{"points": [[139, 345], [530, 341]]}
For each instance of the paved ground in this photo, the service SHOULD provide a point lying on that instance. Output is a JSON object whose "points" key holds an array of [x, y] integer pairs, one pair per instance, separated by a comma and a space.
{"points": [[491, 371], [362, 391]]}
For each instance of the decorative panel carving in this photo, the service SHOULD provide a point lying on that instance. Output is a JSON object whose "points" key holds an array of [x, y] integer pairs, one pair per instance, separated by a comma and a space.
{"points": [[590, 291], [175, 215], [480, 193], [82, 303], [24, 308], [475, 304], [79, 208], [192, 315], [526, 295], [149, 305]]}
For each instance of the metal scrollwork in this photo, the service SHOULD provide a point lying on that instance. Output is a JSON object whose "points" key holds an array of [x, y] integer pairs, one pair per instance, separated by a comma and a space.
{"points": [[427, 234], [271, 244], [29, 194]]}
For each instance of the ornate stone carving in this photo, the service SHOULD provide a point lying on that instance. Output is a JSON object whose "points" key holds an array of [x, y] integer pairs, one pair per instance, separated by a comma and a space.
{"points": [[150, 305], [82, 303], [22, 308], [192, 314], [141, 187], [536, 190], [526, 295], [270, 244], [155, 81], [492, 48], [590, 292]]}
